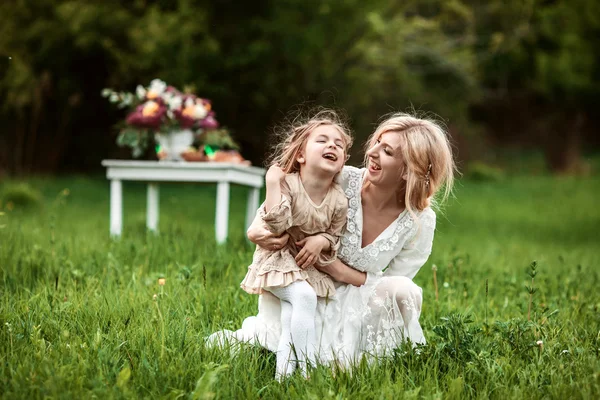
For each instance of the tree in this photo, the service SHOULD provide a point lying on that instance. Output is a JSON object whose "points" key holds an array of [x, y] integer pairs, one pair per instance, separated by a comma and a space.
{"points": [[540, 73]]}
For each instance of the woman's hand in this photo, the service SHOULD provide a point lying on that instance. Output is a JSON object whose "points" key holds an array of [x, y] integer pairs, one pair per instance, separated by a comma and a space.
{"points": [[264, 238], [343, 273], [311, 248]]}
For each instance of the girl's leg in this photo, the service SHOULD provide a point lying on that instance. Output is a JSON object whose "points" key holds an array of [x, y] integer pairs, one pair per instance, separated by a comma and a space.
{"points": [[303, 300], [286, 359]]}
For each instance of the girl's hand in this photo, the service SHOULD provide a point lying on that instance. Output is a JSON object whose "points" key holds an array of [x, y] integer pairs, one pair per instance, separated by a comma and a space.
{"points": [[275, 175], [311, 249]]}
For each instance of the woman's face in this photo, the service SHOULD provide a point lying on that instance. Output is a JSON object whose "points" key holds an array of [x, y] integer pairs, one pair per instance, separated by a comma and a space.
{"points": [[386, 165]]}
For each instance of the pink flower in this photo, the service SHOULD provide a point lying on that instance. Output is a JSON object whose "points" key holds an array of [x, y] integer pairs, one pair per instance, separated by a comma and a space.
{"points": [[149, 114], [209, 122]]}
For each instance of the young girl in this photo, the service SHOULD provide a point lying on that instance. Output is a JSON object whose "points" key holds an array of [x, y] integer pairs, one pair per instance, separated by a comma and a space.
{"points": [[303, 200]]}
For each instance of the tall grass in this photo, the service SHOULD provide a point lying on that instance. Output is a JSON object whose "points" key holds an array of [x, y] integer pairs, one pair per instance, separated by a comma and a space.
{"points": [[83, 315]]}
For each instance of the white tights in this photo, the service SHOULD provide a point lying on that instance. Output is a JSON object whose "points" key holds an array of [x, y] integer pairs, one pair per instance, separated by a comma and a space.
{"points": [[298, 338]]}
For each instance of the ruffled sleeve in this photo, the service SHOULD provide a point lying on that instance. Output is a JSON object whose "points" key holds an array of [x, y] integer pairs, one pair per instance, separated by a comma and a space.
{"points": [[279, 217]]}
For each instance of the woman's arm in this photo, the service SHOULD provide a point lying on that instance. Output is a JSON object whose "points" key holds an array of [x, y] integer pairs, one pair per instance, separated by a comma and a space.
{"points": [[343, 273], [416, 252], [258, 234]]}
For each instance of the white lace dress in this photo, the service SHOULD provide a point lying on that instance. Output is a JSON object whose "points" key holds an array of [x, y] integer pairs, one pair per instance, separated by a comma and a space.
{"points": [[371, 319]]}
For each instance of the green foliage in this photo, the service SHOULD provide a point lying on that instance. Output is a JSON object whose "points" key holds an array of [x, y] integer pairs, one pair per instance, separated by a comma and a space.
{"points": [[136, 140], [456, 337], [476, 65], [366, 57], [20, 195], [79, 317], [482, 172], [218, 139]]}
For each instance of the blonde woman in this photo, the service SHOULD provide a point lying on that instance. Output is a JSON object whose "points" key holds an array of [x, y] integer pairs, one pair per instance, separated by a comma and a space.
{"points": [[388, 238]]}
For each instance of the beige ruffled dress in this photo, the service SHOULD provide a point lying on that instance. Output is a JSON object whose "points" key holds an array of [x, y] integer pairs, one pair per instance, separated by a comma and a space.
{"points": [[299, 216]]}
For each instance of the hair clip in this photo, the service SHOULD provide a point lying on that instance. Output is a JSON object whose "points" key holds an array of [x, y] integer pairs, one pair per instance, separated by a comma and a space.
{"points": [[427, 176]]}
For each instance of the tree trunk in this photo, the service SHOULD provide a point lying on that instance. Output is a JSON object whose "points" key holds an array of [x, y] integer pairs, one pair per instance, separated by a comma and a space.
{"points": [[563, 151]]}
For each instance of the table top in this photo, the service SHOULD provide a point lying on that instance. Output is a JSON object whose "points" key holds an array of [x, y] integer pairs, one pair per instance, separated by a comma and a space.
{"points": [[184, 171], [203, 165]]}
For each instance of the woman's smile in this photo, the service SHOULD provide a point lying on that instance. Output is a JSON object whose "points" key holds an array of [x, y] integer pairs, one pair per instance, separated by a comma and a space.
{"points": [[373, 166]]}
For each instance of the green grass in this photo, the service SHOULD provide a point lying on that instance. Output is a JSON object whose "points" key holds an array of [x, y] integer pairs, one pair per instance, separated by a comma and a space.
{"points": [[78, 319]]}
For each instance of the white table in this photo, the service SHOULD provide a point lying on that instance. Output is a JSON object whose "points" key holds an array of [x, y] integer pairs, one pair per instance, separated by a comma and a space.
{"points": [[174, 171]]}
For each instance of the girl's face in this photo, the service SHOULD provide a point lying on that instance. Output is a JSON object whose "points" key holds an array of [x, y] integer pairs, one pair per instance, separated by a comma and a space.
{"points": [[386, 165], [324, 150]]}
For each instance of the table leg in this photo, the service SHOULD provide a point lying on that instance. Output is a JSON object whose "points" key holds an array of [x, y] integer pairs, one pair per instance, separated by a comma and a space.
{"points": [[222, 214], [152, 207], [116, 207], [252, 205]]}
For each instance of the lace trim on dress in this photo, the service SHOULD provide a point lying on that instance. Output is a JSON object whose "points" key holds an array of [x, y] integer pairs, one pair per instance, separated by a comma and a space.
{"points": [[351, 253]]}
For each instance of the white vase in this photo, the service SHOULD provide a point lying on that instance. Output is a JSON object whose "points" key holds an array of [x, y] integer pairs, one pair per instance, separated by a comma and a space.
{"points": [[174, 143]]}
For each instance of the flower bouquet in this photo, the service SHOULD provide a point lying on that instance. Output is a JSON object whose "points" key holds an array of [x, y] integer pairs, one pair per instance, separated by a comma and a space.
{"points": [[163, 113]]}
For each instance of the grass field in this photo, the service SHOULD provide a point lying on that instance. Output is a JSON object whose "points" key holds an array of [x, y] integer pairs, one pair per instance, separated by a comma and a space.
{"points": [[79, 320]]}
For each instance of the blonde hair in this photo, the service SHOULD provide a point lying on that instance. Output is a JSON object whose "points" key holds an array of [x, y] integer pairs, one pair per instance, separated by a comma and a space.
{"points": [[427, 154], [291, 137]]}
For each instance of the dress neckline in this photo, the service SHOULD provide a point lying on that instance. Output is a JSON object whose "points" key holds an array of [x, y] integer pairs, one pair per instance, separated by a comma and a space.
{"points": [[312, 203], [359, 215]]}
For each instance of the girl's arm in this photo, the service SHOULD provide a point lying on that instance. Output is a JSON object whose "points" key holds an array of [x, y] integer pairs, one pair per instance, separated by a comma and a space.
{"points": [[277, 216], [273, 180]]}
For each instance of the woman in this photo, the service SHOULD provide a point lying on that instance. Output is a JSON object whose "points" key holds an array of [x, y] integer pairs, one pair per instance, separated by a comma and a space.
{"points": [[388, 238]]}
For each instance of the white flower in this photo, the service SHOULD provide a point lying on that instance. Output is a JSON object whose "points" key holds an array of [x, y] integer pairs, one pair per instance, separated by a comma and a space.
{"points": [[158, 85], [189, 102], [174, 102], [127, 99], [167, 96], [446, 285], [141, 92], [385, 324], [113, 98], [539, 342], [378, 301], [157, 88], [199, 111], [564, 352]]}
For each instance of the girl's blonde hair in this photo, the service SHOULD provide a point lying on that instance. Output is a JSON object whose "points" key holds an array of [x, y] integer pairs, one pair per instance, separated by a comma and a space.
{"points": [[291, 138], [427, 155]]}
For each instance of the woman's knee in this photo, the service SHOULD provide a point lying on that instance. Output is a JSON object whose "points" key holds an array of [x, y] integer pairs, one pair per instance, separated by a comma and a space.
{"points": [[403, 290]]}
